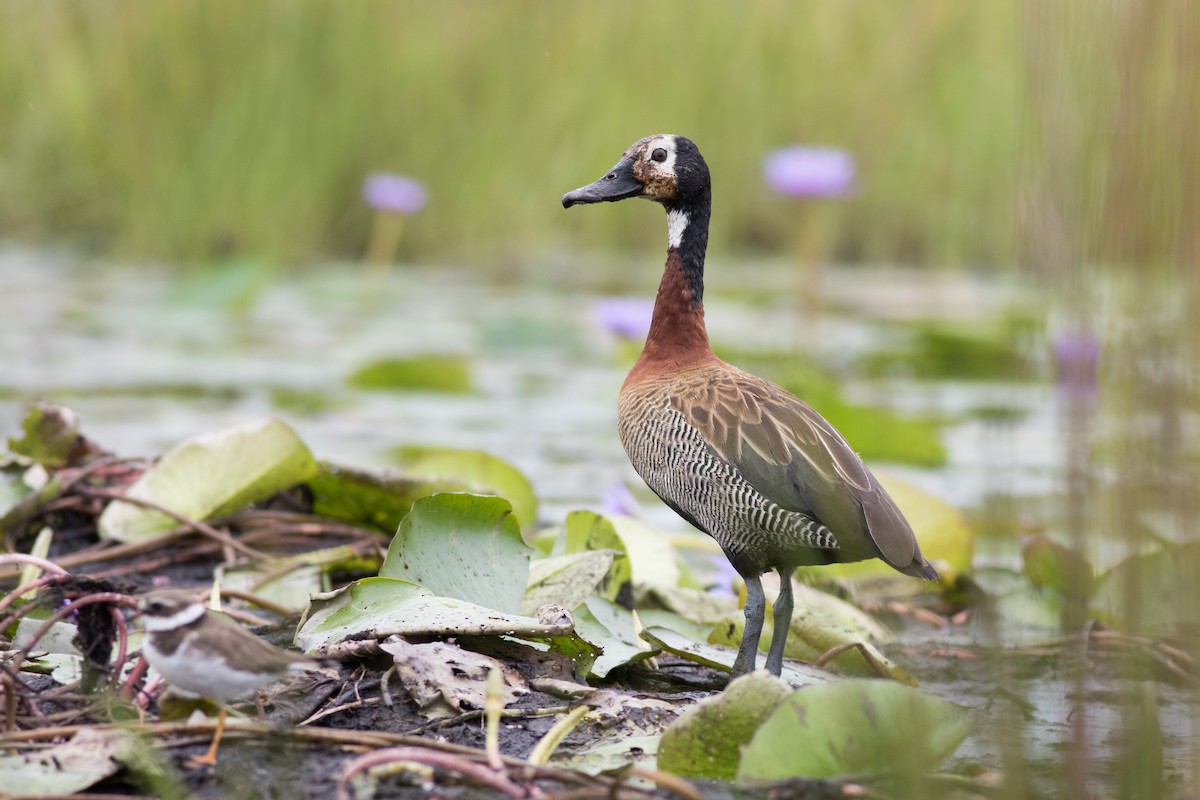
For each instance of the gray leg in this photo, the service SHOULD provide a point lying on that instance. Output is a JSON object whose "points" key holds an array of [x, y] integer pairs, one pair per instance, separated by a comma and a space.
{"points": [[756, 606], [782, 620]]}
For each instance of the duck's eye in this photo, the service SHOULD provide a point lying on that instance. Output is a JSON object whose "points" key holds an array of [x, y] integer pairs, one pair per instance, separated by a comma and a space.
{"points": [[659, 155]]}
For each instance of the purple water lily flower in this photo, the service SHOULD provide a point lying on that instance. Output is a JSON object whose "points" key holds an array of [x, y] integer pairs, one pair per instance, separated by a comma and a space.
{"points": [[1077, 357], [626, 317], [618, 501], [395, 193], [810, 171]]}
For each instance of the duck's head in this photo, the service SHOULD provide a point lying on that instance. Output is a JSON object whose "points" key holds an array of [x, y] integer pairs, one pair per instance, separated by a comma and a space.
{"points": [[667, 169]]}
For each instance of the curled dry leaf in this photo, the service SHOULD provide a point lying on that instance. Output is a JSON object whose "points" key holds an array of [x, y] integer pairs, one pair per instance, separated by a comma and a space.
{"points": [[445, 680]]}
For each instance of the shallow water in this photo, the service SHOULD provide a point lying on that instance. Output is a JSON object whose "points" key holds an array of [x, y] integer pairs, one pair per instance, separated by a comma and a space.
{"points": [[148, 358]]}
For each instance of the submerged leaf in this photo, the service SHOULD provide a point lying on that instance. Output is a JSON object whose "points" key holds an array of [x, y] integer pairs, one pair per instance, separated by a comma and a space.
{"points": [[707, 739], [855, 727], [211, 475], [462, 545]]}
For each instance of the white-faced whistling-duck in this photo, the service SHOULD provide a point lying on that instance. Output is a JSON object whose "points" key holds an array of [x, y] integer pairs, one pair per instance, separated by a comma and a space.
{"points": [[735, 455]]}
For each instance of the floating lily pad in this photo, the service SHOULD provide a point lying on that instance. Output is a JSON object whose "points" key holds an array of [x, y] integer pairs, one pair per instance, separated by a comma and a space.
{"points": [[430, 373], [1047, 563], [211, 475], [707, 739], [854, 727], [462, 545], [479, 472], [971, 351], [1160, 587]]}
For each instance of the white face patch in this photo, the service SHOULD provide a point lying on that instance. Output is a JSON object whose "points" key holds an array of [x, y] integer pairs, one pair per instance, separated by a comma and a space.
{"points": [[666, 143], [677, 222], [180, 618]]}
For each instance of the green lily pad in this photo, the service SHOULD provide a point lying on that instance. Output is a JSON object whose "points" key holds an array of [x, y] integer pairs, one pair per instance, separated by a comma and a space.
{"points": [[209, 476], [272, 581], [706, 741], [661, 618], [462, 545], [604, 623], [1159, 587], [1050, 564], [364, 498], [651, 556], [381, 607], [430, 373], [377, 608], [585, 531], [972, 351], [855, 727], [49, 435], [565, 580], [479, 472]]}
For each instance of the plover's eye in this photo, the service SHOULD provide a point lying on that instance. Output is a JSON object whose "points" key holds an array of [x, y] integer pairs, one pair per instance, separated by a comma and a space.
{"points": [[659, 155]]}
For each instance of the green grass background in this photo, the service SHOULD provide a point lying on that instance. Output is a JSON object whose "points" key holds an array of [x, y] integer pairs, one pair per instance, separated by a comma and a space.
{"points": [[197, 128]]}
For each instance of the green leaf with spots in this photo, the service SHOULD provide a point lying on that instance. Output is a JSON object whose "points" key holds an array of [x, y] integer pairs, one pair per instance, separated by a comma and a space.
{"points": [[855, 727], [462, 545]]}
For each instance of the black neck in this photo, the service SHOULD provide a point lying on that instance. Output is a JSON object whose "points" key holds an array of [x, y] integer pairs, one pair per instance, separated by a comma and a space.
{"points": [[694, 241]]}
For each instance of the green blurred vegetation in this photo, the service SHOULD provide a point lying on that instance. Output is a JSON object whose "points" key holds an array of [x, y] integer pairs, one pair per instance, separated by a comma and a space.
{"points": [[196, 128], [200, 128]]}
